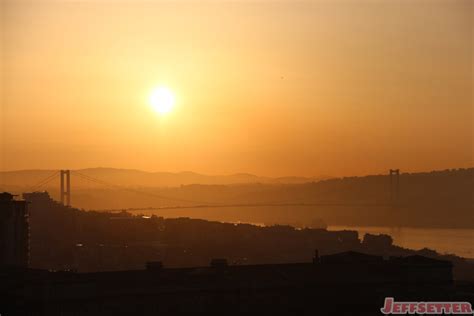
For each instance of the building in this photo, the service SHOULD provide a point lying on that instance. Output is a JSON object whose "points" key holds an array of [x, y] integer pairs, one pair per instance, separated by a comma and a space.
{"points": [[14, 231], [37, 197], [348, 283]]}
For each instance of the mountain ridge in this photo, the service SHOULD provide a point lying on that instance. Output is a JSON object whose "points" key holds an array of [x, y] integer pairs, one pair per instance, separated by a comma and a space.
{"points": [[136, 177]]}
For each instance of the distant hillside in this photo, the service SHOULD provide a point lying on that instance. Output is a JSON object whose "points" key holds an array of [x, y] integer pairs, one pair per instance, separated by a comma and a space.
{"points": [[430, 199], [137, 178]]}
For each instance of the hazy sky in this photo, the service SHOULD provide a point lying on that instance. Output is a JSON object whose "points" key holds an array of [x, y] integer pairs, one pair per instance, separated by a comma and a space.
{"points": [[266, 87]]}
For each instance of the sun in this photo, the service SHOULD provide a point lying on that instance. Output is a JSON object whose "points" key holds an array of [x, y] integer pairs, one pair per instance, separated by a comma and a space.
{"points": [[162, 100]]}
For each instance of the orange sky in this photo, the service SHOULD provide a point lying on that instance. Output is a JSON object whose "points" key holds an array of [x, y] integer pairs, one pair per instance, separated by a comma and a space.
{"points": [[267, 87]]}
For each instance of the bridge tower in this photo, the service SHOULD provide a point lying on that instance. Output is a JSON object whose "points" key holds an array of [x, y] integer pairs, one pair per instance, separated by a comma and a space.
{"points": [[394, 186], [65, 192]]}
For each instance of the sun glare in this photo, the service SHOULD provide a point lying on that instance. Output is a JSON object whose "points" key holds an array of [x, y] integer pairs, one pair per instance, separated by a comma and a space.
{"points": [[162, 100]]}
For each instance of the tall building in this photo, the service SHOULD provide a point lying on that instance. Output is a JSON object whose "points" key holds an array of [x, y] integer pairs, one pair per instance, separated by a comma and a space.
{"points": [[14, 231]]}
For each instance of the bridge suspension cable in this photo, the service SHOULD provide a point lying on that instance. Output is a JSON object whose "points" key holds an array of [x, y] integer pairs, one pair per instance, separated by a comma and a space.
{"points": [[44, 181], [159, 196]]}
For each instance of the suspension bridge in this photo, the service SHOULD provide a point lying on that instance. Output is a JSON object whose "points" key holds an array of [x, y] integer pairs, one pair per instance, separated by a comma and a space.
{"points": [[65, 194]]}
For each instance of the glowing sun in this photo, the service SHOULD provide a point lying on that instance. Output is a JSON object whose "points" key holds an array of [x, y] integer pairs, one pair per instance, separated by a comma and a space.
{"points": [[162, 100]]}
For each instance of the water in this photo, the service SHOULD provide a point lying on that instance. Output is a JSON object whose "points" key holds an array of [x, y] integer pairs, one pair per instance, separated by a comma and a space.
{"points": [[445, 241]]}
